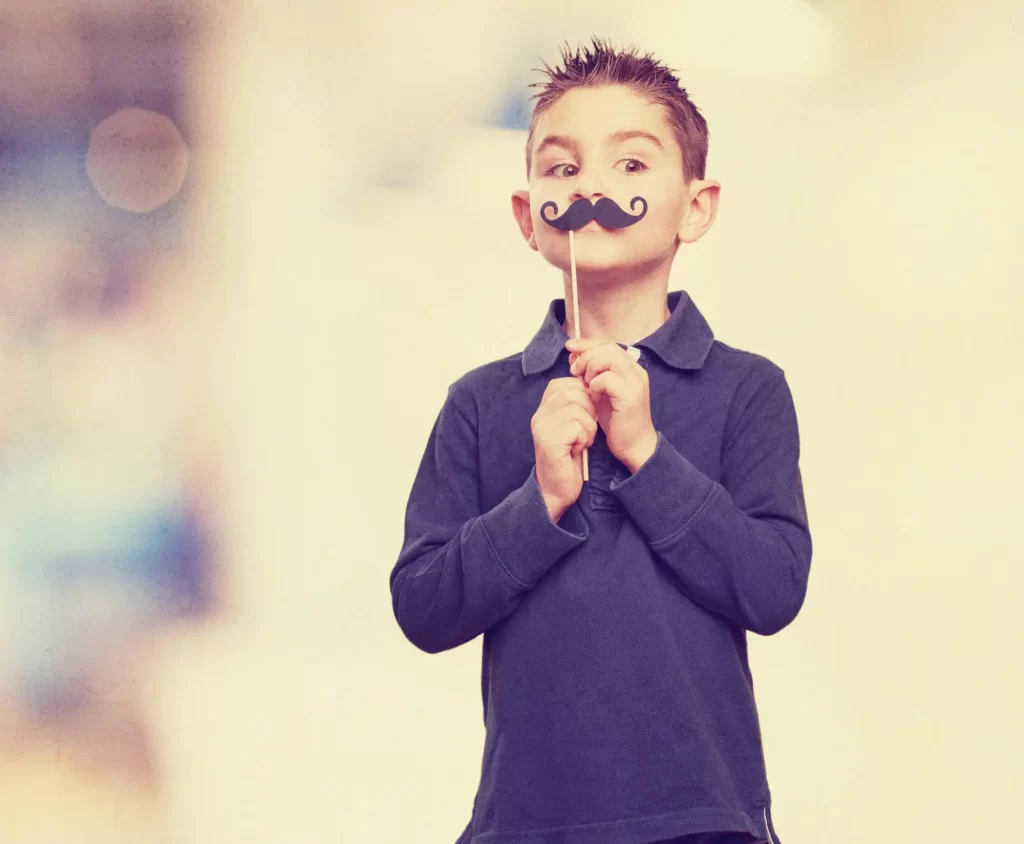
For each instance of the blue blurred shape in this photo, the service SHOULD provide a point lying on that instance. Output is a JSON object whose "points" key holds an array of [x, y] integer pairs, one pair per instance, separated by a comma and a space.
{"points": [[513, 110], [512, 105], [102, 543]]}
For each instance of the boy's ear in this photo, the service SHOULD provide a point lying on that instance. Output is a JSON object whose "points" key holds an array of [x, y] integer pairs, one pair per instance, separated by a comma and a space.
{"points": [[521, 211], [701, 213]]}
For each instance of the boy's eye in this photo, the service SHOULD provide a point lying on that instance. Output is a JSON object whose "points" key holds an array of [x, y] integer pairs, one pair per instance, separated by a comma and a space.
{"points": [[639, 165], [633, 165], [553, 171]]}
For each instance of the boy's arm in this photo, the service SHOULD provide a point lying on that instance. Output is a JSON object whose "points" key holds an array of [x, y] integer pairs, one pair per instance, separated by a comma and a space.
{"points": [[461, 571], [742, 547]]}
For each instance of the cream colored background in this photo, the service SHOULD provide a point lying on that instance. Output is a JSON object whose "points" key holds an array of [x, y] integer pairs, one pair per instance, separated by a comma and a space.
{"points": [[868, 243]]}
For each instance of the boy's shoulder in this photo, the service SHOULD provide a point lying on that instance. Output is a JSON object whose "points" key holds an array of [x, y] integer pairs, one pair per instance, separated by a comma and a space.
{"points": [[742, 362], [742, 375], [487, 379]]}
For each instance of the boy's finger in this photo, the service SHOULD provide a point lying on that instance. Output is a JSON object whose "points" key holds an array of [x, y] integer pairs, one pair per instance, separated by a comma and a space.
{"points": [[603, 359], [611, 351], [611, 384], [572, 391], [582, 344], [582, 397]]}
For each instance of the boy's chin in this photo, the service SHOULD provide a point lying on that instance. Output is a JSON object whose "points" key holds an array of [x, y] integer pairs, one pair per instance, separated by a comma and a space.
{"points": [[595, 267]]}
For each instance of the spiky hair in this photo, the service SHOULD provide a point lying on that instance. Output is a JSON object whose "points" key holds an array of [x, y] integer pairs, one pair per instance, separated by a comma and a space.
{"points": [[604, 65]]}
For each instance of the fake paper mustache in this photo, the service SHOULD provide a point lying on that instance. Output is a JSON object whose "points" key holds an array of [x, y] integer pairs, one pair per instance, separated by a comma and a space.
{"points": [[582, 211]]}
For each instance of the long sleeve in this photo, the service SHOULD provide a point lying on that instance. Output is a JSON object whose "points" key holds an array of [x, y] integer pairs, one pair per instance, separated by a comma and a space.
{"points": [[461, 571], [740, 548]]}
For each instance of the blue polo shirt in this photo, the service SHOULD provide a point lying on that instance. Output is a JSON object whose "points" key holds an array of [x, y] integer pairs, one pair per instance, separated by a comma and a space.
{"points": [[617, 695]]}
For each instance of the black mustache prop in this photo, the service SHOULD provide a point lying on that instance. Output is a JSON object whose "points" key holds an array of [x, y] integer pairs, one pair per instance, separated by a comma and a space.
{"points": [[605, 211]]}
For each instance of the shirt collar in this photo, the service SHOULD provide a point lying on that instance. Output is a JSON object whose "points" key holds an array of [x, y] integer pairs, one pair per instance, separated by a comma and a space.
{"points": [[682, 341]]}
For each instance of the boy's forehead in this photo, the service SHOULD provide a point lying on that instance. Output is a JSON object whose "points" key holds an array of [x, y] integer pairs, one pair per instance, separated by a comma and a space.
{"points": [[592, 114]]}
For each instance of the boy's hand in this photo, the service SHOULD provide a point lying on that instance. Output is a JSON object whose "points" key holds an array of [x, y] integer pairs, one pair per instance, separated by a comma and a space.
{"points": [[564, 424], [620, 387]]}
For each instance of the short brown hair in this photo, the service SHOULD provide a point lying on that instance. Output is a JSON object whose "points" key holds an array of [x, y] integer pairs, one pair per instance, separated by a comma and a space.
{"points": [[605, 65]]}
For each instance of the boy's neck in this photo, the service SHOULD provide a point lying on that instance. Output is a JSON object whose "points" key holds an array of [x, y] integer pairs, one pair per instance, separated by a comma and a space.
{"points": [[621, 313]]}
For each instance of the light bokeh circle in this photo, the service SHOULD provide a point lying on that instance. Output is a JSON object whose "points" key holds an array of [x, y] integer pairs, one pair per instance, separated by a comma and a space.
{"points": [[137, 159]]}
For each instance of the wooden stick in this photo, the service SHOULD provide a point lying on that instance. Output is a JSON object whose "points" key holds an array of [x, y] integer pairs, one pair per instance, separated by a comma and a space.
{"points": [[576, 323]]}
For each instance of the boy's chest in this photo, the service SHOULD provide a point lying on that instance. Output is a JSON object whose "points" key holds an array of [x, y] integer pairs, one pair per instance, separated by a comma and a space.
{"points": [[690, 418]]}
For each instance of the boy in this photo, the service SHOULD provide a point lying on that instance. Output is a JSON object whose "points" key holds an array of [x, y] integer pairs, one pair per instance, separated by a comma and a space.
{"points": [[618, 700]]}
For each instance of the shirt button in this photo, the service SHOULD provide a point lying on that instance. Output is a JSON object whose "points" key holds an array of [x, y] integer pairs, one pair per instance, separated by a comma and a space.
{"points": [[633, 352]]}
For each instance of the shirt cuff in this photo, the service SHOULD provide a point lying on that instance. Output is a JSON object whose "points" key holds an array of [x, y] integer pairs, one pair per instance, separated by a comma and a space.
{"points": [[665, 493], [523, 537]]}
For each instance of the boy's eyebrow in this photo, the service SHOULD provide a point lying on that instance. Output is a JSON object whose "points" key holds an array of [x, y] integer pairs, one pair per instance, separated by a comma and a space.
{"points": [[619, 137], [556, 141], [631, 134]]}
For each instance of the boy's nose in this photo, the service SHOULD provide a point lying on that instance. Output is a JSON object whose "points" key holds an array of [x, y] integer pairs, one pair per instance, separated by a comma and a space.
{"points": [[586, 187], [581, 193]]}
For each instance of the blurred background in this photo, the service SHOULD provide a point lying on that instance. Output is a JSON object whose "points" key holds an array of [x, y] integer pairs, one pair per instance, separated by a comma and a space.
{"points": [[245, 248]]}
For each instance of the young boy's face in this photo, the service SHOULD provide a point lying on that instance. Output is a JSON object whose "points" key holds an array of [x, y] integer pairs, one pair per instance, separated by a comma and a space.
{"points": [[610, 141]]}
